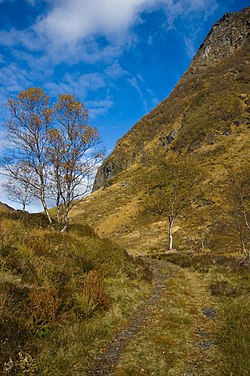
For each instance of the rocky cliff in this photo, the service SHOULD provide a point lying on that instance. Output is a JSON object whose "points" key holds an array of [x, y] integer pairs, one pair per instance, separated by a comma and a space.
{"points": [[226, 39], [228, 35]]}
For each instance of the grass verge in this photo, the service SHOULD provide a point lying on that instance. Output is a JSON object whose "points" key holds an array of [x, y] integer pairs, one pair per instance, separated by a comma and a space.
{"points": [[229, 284]]}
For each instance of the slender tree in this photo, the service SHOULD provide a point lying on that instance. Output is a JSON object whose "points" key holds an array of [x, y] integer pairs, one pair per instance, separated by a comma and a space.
{"points": [[30, 117], [172, 189], [54, 151], [72, 154], [19, 191], [238, 199]]}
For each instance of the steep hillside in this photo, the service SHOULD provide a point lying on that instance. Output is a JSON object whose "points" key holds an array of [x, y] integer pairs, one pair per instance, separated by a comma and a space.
{"points": [[227, 39], [5, 207], [206, 118]]}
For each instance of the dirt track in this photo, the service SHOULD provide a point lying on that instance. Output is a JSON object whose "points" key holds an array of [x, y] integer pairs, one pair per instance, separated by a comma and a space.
{"points": [[106, 362]]}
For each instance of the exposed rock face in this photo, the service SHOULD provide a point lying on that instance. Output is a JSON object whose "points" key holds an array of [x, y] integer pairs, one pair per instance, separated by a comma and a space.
{"points": [[166, 140], [106, 172], [226, 39], [230, 33]]}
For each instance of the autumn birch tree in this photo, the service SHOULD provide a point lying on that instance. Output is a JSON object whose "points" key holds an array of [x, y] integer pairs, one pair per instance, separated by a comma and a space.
{"points": [[53, 150], [20, 191], [72, 153], [238, 199], [30, 117], [172, 189]]}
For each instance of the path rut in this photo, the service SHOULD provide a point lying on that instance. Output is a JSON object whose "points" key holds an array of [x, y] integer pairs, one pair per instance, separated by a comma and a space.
{"points": [[106, 362]]}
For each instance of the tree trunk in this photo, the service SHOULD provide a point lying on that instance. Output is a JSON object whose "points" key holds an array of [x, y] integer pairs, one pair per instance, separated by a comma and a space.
{"points": [[59, 210], [58, 216], [48, 216], [66, 225], [65, 219], [242, 241], [202, 244], [46, 211], [43, 199], [170, 232], [246, 220]]}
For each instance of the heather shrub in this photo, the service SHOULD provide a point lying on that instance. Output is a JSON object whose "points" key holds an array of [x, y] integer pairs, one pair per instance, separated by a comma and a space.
{"points": [[49, 280], [91, 296], [42, 306]]}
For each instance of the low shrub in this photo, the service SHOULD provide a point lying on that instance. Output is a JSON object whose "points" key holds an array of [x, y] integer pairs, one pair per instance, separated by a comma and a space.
{"points": [[49, 280]]}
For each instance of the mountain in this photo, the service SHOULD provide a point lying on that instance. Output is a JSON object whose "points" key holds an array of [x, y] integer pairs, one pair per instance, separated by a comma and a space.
{"points": [[206, 117], [224, 44], [76, 303]]}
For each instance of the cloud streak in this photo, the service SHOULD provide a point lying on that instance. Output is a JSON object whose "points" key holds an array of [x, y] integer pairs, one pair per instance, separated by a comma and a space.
{"points": [[72, 20], [98, 29]]}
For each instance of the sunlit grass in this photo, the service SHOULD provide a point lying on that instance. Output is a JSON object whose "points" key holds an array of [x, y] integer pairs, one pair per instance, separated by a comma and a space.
{"points": [[62, 296]]}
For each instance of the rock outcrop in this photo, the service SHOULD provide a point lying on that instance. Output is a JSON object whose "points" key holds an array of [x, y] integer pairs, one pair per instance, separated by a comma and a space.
{"points": [[229, 34], [226, 38]]}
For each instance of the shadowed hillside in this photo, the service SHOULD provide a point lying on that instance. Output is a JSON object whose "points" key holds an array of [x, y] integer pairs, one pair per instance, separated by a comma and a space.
{"points": [[5, 207]]}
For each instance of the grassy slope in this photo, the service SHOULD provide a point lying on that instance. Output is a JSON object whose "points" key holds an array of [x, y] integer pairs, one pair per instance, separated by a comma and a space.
{"points": [[5, 207], [56, 314], [63, 296], [211, 113], [212, 116]]}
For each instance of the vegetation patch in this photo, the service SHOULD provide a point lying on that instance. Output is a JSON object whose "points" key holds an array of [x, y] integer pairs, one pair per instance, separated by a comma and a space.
{"points": [[229, 284], [172, 330], [63, 295], [234, 336]]}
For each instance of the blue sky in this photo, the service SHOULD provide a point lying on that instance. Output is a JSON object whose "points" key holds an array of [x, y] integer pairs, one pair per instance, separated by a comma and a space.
{"points": [[121, 57]]}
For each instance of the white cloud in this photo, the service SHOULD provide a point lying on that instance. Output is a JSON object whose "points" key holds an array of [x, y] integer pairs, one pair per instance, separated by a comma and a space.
{"points": [[2, 140], [74, 31], [13, 79], [147, 95], [115, 70], [70, 29], [78, 85], [26, 38], [72, 20], [3, 179], [188, 8], [97, 108], [134, 83], [190, 48]]}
